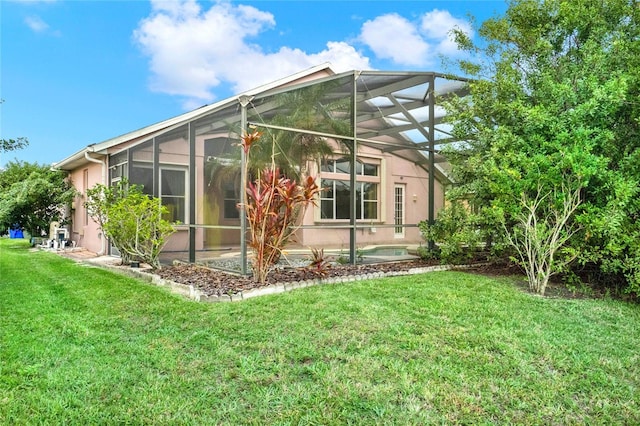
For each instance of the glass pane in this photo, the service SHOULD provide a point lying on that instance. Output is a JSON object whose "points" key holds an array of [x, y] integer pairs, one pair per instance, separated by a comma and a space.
{"points": [[231, 200], [231, 210], [327, 188], [142, 166], [327, 166], [176, 209], [173, 182], [358, 168], [342, 166], [142, 174], [370, 210], [342, 200], [326, 209], [370, 191], [370, 170]]}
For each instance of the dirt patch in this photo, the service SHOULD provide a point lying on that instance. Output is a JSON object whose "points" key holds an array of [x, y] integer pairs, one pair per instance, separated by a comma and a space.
{"points": [[555, 289]]}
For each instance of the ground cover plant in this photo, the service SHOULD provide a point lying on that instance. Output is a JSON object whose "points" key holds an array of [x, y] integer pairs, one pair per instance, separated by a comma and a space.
{"points": [[82, 345]]}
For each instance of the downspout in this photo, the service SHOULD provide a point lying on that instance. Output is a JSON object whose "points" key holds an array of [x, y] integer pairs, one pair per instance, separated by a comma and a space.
{"points": [[103, 163]]}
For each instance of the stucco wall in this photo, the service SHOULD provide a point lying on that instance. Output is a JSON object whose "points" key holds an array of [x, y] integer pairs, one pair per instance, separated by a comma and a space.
{"points": [[83, 230], [394, 171]]}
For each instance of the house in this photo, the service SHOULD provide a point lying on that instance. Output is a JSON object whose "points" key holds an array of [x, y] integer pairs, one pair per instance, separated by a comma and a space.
{"points": [[384, 131]]}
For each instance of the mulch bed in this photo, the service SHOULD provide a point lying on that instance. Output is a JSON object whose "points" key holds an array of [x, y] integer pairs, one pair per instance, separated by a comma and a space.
{"points": [[215, 282]]}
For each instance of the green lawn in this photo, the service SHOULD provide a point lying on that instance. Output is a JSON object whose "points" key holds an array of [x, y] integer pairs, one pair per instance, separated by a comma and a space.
{"points": [[81, 345]]}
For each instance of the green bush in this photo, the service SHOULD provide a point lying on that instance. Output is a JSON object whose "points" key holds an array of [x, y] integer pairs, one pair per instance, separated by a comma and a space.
{"points": [[132, 220], [461, 235]]}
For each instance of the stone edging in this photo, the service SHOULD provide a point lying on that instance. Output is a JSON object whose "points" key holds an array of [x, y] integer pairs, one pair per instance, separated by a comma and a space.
{"points": [[191, 292]]}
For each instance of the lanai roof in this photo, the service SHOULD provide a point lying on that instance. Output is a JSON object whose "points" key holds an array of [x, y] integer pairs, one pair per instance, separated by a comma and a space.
{"points": [[397, 112]]}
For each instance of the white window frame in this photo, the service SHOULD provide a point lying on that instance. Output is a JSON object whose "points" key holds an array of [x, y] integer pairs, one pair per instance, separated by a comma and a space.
{"points": [[185, 170], [399, 209], [361, 179]]}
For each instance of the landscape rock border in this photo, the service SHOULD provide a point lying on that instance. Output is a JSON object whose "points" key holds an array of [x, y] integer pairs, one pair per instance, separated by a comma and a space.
{"points": [[191, 292]]}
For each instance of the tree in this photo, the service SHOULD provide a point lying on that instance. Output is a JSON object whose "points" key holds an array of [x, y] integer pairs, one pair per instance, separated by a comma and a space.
{"points": [[132, 220], [32, 196], [554, 100], [306, 109], [7, 145], [13, 144], [540, 233]]}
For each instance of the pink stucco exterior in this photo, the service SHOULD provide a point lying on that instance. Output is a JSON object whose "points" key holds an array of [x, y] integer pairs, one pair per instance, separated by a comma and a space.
{"points": [[401, 186], [84, 231], [394, 171]]}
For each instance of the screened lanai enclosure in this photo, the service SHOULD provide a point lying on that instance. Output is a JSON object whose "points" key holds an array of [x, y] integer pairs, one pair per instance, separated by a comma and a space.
{"points": [[370, 139]]}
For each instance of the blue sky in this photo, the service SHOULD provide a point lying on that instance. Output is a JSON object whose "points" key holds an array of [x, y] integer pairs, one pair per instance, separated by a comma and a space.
{"points": [[80, 72]]}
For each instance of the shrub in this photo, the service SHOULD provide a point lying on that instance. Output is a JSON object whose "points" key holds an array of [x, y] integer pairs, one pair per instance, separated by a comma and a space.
{"points": [[460, 235], [274, 204], [131, 220]]}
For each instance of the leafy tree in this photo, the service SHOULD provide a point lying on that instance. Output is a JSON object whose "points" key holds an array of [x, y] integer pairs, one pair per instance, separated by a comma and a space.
{"points": [[13, 144], [7, 145], [132, 220], [306, 109], [554, 108], [32, 196]]}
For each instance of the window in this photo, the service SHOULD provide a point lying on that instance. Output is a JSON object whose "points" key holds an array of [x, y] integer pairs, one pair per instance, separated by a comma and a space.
{"points": [[230, 201], [398, 211], [142, 175], [173, 193], [118, 167], [335, 198], [343, 165]]}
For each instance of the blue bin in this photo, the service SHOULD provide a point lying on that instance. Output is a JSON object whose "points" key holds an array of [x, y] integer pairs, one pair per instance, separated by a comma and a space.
{"points": [[16, 233]]}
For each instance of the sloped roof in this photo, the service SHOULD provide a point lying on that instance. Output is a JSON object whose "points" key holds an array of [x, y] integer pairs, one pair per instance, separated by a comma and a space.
{"points": [[396, 112], [78, 158]]}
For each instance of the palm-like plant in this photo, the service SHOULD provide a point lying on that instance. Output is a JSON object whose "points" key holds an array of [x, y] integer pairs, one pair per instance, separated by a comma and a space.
{"points": [[309, 108]]}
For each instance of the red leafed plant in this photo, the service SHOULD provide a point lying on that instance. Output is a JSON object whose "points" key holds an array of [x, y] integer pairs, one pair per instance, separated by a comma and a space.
{"points": [[318, 266], [274, 204]]}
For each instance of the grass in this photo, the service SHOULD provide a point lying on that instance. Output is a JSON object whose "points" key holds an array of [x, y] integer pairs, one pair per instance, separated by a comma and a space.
{"points": [[81, 345]]}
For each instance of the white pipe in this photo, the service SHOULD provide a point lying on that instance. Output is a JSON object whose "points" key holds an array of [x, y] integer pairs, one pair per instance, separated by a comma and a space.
{"points": [[103, 249]]}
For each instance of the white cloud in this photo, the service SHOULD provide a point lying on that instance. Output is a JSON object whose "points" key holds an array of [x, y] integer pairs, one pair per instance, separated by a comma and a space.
{"points": [[36, 24], [192, 50], [437, 26], [394, 37], [410, 43]]}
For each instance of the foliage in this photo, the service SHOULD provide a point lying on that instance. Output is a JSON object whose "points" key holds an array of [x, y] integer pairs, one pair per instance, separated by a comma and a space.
{"points": [[274, 204], [304, 109], [87, 346], [32, 196], [13, 144], [461, 234], [7, 145], [555, 98], [318, 264], [132, 220], [542, 229]]}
